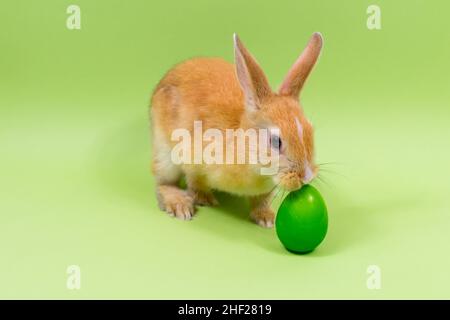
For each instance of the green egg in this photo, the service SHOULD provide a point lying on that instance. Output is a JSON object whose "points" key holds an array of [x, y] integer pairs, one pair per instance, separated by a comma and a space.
{"points": [[302, 220]]}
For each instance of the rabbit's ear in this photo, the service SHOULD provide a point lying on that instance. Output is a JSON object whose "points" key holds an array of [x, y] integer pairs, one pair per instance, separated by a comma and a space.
{"points": [[252, 79], [298, 73]]}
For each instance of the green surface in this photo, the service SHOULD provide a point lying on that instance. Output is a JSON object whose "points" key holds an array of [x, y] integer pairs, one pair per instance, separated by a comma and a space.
{"points": [[302, 220], [74, 166]]}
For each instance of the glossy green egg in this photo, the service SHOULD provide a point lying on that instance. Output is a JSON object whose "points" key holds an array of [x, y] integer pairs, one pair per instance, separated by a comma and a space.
{"points": [[302, 220]]}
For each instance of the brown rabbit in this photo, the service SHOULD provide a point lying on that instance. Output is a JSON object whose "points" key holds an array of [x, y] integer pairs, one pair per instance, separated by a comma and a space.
{"points": [[227, 96]]}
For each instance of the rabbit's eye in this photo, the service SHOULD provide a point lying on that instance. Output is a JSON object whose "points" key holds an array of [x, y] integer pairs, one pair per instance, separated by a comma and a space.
{"points": [[275, 142]]}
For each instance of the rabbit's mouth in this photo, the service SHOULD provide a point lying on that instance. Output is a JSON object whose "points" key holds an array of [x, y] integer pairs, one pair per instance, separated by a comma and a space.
{"points": [[290, 181], [294, 179]]}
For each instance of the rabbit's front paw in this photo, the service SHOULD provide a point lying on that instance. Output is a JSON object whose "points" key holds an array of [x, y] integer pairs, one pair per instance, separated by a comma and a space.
{"points": [[204, 198], [263, 216], [176, 202]]}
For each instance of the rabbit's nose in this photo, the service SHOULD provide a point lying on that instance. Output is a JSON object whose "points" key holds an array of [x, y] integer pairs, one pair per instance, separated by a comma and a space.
{"points": [[308, 175]]}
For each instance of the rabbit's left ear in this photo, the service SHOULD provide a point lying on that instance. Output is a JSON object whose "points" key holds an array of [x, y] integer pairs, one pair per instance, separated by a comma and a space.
{"points": [[298, 73], [252, 79]]}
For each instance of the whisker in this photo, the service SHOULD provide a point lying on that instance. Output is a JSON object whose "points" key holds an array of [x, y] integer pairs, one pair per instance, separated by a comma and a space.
{"points": [[330, 163], [316, 182], [284, 192], [322, 179], [276, 185], [276, 195], [273, 199], [333, 172]]}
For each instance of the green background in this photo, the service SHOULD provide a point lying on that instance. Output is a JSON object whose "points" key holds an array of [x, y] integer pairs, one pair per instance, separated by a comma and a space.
{"points": [[75, 184]]}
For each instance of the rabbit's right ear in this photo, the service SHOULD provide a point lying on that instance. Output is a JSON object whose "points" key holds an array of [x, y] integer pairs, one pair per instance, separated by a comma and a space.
{"points": [[296, 77], [252, 79]]}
